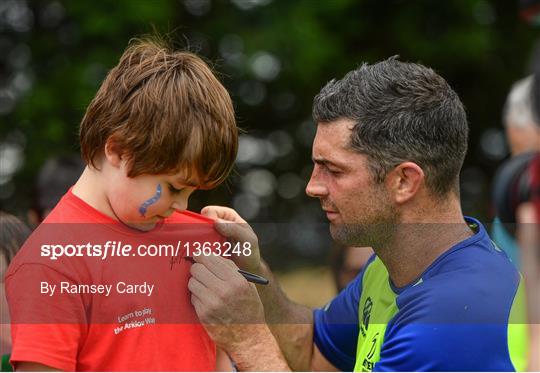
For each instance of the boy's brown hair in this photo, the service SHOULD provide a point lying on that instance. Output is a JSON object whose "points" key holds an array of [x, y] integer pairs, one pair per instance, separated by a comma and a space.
{"points": [[166, 112]]}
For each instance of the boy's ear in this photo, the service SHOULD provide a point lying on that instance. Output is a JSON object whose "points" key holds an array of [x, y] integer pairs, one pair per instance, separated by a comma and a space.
{"points": [[113, 152]]}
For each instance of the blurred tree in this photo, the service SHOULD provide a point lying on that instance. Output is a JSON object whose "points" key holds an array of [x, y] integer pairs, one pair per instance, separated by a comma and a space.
{"points": [[273, 56]]}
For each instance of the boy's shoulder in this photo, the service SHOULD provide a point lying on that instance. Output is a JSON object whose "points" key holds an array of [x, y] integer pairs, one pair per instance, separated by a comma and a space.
{"points": [[72, 209]]}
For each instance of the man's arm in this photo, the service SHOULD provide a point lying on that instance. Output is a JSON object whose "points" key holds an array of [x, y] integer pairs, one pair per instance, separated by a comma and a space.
{"points": [[291, 324], [232, 313]]}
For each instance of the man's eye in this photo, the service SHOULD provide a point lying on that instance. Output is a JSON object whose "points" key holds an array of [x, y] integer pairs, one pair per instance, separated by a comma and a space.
{"points": [[174, 190]]}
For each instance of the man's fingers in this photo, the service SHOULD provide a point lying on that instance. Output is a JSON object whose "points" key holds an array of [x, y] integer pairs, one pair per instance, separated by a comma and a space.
{"points": [[223, 269], [221, 212], [238, 232], [198, 289], [196, 302], [205, 276], [198, 305], [231, 264], [211, 212]]}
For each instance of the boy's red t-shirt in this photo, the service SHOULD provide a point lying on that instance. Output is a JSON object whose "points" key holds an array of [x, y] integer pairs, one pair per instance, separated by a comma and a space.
{"points": [[123, 311]]}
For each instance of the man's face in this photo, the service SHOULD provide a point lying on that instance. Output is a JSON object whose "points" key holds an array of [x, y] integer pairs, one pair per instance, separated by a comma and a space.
{"points": [[523, 138], [143, 201], [359, 210]]}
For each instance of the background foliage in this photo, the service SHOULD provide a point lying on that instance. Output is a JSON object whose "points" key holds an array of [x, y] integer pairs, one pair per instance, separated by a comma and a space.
{"points": [[273, 56]]}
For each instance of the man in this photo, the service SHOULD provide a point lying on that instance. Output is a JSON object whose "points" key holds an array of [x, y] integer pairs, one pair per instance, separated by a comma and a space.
{"points": [[528, 237], [390, 142], [520, 117], [523, 134]]}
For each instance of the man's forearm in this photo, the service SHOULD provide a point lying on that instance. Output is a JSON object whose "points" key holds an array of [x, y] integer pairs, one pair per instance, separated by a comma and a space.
{"points": [[258, 351], [290, 323]]}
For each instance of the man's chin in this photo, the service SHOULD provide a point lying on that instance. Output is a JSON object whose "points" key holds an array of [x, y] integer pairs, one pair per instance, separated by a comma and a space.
{"points": [[342, 235], [351, 235]]}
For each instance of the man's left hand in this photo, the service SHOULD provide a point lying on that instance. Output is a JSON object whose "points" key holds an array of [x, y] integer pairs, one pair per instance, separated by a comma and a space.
{"points": [[226, 303]]}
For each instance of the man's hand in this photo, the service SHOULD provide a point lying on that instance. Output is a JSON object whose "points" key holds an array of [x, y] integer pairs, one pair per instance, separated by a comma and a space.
{"points": [[225, 302], [232, 313], [236, 229], [263, 346]]}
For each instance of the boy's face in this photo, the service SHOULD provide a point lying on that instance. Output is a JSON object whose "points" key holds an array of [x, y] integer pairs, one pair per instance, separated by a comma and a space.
{"points": [[143, 201]]}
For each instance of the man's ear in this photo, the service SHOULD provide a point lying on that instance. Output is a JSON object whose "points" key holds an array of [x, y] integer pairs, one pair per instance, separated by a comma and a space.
{"points": [[113, 152], [404, 181]]}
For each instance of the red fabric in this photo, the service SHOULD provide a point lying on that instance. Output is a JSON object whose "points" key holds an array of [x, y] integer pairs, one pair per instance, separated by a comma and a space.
{"points": [[116, 332]]}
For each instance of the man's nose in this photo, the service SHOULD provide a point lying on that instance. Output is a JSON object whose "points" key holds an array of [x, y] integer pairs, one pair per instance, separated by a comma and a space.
{"points": [[315, 187]]}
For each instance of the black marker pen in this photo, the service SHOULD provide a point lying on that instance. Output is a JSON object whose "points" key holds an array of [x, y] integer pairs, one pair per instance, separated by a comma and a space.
{"points": [[251, 277]]}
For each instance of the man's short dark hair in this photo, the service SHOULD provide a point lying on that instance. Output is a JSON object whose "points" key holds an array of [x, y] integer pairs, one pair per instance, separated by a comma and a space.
{"points": [[402, 112]]}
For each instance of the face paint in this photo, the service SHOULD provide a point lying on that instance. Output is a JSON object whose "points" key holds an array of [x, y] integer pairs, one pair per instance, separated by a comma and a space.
{"points": [[151, 201]]}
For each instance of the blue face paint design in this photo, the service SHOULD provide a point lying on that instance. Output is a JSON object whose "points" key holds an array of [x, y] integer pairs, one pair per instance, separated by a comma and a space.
{"points": [[150, 201]]}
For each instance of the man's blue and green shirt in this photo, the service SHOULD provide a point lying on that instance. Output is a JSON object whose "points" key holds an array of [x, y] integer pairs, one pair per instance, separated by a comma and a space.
{"points": [[466, 312]]}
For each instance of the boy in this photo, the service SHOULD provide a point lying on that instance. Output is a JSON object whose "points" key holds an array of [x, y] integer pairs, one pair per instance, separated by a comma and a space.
{"points": [[83, 295]]}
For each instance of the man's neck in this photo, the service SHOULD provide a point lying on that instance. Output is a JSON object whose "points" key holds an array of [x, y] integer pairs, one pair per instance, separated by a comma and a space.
{"points": [[417, 243]]}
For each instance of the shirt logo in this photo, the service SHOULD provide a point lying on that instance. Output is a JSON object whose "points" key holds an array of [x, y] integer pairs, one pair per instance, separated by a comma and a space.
{"points": [[366, 313], [367, 363], [373, 345]]}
